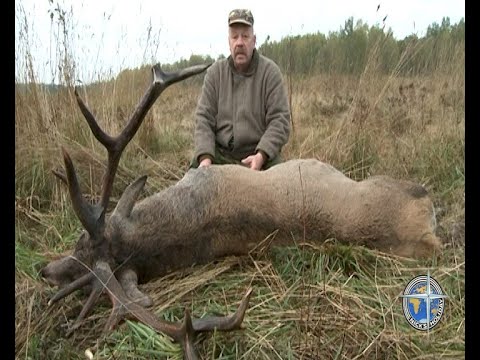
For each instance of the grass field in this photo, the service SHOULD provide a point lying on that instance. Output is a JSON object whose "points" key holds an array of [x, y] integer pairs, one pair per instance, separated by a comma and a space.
{"points": [[309, 302]]}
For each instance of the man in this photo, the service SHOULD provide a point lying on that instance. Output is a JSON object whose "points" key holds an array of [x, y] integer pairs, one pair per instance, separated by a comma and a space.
{"points": [[242, 116]]}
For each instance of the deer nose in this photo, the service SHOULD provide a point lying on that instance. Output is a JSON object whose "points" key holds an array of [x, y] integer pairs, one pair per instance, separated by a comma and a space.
{"points": [[43, 272], [46, 274]]}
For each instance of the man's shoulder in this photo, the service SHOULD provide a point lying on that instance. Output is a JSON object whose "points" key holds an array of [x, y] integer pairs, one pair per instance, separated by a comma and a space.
{"points": [[266, 58], [217, 70], [219, 65], [268, 64]]}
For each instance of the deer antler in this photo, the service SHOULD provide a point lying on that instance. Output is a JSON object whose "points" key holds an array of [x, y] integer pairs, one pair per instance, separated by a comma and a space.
{"points": [[115, 145], [184, 334], [92, 217]]}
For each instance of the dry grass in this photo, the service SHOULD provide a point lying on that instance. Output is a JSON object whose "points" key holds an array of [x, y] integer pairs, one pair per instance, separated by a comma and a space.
{"points": [[330, 302]]}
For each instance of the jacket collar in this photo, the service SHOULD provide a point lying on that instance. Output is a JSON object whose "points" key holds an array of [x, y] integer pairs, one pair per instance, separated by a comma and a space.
{"points": [[251, 68]]}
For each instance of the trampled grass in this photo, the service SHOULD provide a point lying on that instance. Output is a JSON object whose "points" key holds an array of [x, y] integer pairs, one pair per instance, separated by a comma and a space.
{"points": [[329, 302]]}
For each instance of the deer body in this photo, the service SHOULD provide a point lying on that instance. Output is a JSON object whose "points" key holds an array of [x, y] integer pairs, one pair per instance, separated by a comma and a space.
{"points": [[227, 210]]}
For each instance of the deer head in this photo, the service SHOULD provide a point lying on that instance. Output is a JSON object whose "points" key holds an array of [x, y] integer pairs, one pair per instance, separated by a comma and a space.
{"points": [[92, 263]]}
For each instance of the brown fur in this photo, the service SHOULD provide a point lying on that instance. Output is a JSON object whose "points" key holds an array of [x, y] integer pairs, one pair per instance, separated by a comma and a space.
{"points": [[227, 210]]}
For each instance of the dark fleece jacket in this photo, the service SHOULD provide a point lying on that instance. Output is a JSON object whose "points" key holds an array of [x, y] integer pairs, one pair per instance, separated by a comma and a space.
{"points": [[242, 112]]}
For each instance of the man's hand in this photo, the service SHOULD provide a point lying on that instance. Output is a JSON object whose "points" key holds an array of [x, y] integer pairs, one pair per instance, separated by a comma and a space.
{"points": [[254, 162], [205, 162]]}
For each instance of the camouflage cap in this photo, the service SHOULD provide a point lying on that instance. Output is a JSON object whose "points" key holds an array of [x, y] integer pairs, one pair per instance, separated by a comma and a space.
{"points": [[240, 16]]}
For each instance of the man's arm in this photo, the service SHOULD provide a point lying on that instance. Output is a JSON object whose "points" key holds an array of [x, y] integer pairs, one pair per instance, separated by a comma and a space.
{"points": [[277, 116], [205, 115]]}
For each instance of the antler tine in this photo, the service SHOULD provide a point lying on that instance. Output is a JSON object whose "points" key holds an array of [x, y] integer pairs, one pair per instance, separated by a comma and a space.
{"points": [[160, 82], [99, 134], [224, 323], [171, 78], [88, 215], [189, 335], [97, 290], [67, 290]]}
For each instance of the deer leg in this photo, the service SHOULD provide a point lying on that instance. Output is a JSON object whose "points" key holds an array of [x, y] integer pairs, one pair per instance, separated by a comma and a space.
{"points": [[129, 280]]}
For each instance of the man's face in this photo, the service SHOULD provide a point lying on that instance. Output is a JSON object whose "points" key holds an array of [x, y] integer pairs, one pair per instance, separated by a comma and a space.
{"points": [[242, 42]]}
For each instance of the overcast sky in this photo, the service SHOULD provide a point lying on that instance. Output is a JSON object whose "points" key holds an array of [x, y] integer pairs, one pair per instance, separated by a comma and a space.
{"points": [[107, 36]]}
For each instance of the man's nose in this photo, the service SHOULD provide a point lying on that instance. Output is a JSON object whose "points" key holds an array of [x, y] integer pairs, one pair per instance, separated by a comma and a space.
{"points": [[240, 42]]}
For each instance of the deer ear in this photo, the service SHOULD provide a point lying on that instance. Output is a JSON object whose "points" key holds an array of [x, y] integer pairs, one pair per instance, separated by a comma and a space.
{"points": [[129, 197]]}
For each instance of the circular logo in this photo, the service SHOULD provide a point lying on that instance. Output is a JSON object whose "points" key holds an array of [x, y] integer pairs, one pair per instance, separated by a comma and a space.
{"points": [[423, 302]]}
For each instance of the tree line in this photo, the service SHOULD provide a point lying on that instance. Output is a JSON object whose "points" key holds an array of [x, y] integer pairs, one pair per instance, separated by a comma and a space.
{"points": [[357, 45]]}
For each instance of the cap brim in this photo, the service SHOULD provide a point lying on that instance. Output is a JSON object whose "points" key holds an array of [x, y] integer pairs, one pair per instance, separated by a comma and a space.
{"points": [[240, 21]]}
